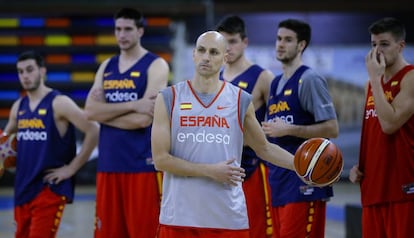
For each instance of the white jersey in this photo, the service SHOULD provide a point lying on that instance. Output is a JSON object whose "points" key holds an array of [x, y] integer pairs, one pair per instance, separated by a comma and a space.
{"points": [[205, 134]]}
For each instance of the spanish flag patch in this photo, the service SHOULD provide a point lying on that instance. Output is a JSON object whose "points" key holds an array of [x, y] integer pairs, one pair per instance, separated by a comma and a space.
{"points": [[287, 92], [243, 84], [41, 111], [135, 74], [186, 106]]}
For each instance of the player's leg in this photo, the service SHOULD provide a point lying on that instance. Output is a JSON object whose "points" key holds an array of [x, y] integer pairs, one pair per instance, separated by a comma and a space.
{"points": [[373, 222], [142, 204], [297, 220], [255, 193], [22, 220], [110, 219], [46, 214], [399, 219]]}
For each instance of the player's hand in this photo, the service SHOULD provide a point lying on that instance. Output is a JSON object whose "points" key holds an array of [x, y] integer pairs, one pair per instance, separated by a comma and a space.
{"points": [[55, 176], [228, 173], [355, 175], [276, 128], [375, 64], [145, 105]]}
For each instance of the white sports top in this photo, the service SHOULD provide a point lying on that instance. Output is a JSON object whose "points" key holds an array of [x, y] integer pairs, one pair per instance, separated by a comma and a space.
{"points": [[207, 134]]}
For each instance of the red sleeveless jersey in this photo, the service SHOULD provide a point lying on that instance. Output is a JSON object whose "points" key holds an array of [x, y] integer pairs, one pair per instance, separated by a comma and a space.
{"points": [[387, 161]]}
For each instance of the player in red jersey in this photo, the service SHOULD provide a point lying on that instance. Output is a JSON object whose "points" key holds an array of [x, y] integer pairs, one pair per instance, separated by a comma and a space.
{"points": [[386, 161]]}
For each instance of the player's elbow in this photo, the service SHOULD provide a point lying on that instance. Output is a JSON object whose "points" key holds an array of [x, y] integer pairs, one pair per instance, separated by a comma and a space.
{"points": [[89, 116], [388, 129], [157, 165], [89, 113], [159, 162], [143, 122], [332, 129]]}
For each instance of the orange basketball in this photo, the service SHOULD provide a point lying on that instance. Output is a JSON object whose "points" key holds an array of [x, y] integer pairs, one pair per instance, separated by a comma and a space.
{"points": [[318, 162], [8, 151]]}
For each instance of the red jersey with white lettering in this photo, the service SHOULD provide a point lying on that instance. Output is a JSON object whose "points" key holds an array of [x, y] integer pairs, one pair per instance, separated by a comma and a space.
{"points": [[387, 161]]}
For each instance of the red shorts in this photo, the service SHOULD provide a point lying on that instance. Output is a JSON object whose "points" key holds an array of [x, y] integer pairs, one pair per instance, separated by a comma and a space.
{"points": [[40, 218], [298, 220], [165, 231], [127, 204], [388, 220], [256, 190]]}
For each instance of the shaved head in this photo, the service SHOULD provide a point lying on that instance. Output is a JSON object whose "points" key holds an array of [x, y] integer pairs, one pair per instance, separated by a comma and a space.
{"points": [[212, 37]]}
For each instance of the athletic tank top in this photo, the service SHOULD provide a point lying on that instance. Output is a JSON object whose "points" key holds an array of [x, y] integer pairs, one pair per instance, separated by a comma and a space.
{"points": [[40, 147], [125, 150], [387, 161], [286, 186], [246, 81], [204, 134]]}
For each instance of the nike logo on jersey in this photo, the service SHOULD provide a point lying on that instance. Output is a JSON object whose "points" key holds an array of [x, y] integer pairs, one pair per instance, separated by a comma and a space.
{"points": [[107, 74], [221, 107]]}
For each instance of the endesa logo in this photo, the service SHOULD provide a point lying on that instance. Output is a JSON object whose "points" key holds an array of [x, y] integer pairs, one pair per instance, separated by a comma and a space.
{"points": [[29, 133], [370, 113], [203, 136], [289, 119], [120, 95]]}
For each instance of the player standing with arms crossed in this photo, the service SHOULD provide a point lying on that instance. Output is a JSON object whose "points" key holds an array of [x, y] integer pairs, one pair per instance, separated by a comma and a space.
{"points": [[45, 121], [200, 127], [300, 107], [255, 80], [386, 160], [122, 100]]}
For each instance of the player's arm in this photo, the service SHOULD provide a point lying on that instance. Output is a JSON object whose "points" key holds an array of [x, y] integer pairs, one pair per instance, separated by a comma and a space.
{"points": [[260, 92], [278, 128], [11, 126], [67, 111], [392, 116], [256, 139], [157, 79], [99, 110], [223, 172]]}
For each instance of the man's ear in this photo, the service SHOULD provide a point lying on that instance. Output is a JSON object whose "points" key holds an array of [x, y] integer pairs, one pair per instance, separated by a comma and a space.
{"points": [[141, 31], [302, 45], [225, 58], [402, 45], [43, 72]]}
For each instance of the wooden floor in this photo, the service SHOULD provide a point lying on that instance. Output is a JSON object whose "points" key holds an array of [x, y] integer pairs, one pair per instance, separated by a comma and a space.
{"points": [[78, 218]]}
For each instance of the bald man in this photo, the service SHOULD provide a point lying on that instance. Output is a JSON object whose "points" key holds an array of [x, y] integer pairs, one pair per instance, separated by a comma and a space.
{"points": [[199, 129]]}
